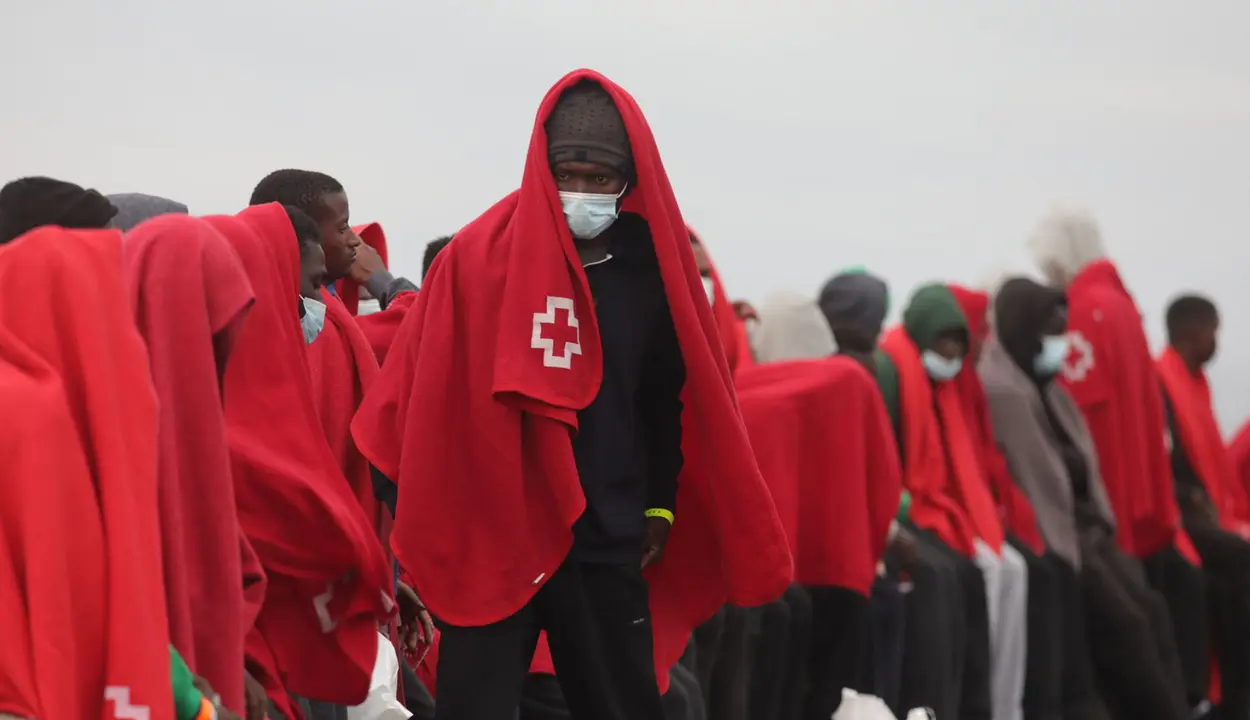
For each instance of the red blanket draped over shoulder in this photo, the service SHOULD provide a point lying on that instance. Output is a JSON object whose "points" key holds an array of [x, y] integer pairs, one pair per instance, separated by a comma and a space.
{"points": [[327, 576], [1013, 507], [731, 328], [190, 295], [379, 328], [474, 419], [942, 469], [823, 441], [1111, 375], [82, 606], [1202, 441]]}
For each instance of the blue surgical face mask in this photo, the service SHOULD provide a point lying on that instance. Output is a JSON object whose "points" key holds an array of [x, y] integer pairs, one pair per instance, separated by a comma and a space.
{"points": [[314, 319], [589, 214], [1049, 361], [939, 368]]}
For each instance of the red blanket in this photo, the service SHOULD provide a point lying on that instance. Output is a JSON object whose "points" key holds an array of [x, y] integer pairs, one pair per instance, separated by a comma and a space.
{"points": [[379, 328], [942, 470], [474, 412], [1202, 442], [82, 607], [731, 328], [190, 295], [1111, 375], [823, 440], [1239, 451], [328, 579], [1013, 507]]}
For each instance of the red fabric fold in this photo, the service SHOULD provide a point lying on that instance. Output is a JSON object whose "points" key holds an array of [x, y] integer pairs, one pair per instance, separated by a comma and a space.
{"points": [[1111, 375], [82, 605], [942, 470], [1013, 507], [1239, 452], [822, 437], [316, 634], [190, 294], [731, 329], [474, 413], [1203, 444]]}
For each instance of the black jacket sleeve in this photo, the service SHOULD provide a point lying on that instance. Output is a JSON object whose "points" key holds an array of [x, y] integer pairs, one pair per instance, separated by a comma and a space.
{"points": [[384, 286], [660, 407], [1191, 495]]}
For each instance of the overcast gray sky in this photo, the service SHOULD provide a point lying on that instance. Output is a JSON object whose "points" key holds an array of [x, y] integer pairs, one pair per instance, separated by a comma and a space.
{"points": [[922, 139]]}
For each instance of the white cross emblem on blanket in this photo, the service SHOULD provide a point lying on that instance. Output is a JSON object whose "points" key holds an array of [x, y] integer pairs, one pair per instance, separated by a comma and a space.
{"points": [[550, 333]]}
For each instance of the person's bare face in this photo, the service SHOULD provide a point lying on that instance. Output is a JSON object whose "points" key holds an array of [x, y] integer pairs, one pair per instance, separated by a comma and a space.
{"points": [[337, 239]]}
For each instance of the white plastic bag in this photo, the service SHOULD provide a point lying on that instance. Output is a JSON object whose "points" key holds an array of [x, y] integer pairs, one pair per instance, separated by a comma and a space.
{"points": [[870, 707], [383, 702]]}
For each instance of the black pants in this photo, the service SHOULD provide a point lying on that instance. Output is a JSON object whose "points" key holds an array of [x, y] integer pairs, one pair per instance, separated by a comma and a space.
{"points": [[1130, 636], [722, 656], [1184, 589], [1043, 681], [840, 623], [416, 697], [1081, 697], [882, 669], [771, 628], [1226, 559], [946, 648], [798, 654], [598, 625]]}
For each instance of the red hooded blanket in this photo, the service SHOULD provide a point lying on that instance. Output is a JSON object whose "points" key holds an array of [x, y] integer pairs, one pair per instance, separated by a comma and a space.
{"points": [[379, 327], [1013, 506], [1111, 375], [731, 328], [942, 470], [474, 412], [82, 607], [328, 580], [190, 295], [1204, 446], [823, 440]]}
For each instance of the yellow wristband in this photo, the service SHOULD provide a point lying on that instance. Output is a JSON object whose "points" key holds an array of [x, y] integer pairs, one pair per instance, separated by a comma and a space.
{"points": [[660, 513]]}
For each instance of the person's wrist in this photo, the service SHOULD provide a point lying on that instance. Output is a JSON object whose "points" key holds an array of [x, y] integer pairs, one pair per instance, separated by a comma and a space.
{"points": [[660, 513]]}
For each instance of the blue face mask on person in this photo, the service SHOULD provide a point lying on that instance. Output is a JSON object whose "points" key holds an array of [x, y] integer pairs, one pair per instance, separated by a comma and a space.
{"points": [[589, 214], [1049, 361], [314, 319], [940, 368]]}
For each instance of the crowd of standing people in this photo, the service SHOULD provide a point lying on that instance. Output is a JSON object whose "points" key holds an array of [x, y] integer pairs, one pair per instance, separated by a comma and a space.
{"points": [[255, 474]]}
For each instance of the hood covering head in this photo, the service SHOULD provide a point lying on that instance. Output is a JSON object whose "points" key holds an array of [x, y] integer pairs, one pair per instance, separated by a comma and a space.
{"points": [[134, 208], [931, 312], [32, 202], [792, 328], [586, 126], [975, 306], [1022, 308], [857, 301], [1064, 242]]}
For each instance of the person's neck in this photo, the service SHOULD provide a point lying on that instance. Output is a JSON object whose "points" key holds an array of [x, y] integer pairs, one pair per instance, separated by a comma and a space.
{"points": [[1192, 363], [867, 359], [595, 249]]}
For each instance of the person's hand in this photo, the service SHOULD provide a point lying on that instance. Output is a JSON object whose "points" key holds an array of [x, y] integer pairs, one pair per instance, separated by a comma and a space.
{"points": [[416, 627], [368, 261], [904, 546], [744, 310], [654, 541], [255, 698]]}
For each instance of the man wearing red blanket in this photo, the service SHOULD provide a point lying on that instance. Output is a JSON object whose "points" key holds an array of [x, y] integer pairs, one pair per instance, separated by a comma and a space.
{"points": [[554, 377]]}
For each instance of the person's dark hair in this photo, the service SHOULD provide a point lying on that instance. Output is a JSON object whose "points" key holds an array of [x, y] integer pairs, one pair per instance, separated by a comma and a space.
{"points": [[32, 202], [694, 239], [1188, 311], [302, 188], [306, 230], [431, 251]]}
